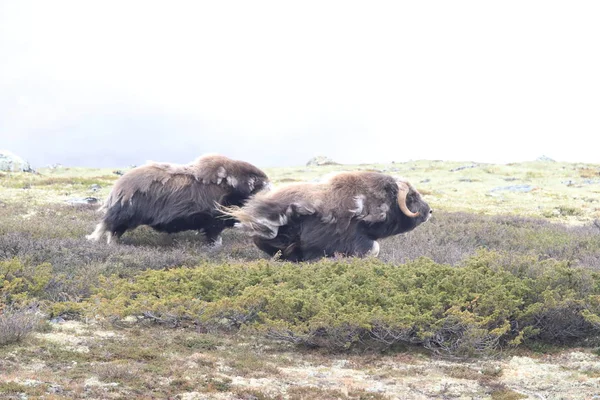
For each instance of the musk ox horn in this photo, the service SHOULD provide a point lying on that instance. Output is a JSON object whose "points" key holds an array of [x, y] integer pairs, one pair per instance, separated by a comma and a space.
{"points": [[402, 193]]}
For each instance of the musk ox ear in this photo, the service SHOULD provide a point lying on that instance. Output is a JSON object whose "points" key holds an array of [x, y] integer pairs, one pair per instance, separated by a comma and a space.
{"points": [[403, 190]]}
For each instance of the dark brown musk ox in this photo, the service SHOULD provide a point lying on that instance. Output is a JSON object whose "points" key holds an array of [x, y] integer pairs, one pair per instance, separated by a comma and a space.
{"points": [[343, 215], [173, 198]]}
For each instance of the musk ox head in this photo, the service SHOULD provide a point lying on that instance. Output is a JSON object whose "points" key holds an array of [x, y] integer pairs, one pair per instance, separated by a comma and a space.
{"points": [[173, 198], [345, 214]]}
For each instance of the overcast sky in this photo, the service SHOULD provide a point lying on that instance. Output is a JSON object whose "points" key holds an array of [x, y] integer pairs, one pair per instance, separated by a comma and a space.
{"points": [[112, 83]]}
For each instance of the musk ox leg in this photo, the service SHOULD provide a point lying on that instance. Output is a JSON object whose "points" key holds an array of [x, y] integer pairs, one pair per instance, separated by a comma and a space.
{"points": [[115, 235], [216, 243], [365, 247], [265, 246], [374, 252], [288, 252], [213, 233], [110, 238], [98, 232]]}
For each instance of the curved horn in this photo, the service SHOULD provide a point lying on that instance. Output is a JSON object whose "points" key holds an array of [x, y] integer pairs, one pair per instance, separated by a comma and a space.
{"points": [[402, 192]]}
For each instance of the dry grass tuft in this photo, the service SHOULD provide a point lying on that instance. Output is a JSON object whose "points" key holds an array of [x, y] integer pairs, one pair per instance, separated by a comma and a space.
{"points": [[17, 323]]}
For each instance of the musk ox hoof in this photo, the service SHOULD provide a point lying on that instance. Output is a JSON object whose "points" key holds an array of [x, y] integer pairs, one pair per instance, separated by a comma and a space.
{"points": [[111, 238], [216, 243], [374, 252], [98, 232]]}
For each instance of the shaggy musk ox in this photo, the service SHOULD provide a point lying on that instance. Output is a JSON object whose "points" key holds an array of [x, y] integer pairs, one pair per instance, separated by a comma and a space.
{"points": [[173, 198], [343, 215]]}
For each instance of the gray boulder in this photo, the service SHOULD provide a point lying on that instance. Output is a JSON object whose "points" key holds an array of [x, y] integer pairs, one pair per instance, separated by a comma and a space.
{"points": [[86, 200], [11, 162], [545, 158], [463, 167], [514, 188], [320, 160]]}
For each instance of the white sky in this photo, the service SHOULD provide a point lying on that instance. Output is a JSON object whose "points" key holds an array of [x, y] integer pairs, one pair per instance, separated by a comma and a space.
{"points": [[117, 82]]}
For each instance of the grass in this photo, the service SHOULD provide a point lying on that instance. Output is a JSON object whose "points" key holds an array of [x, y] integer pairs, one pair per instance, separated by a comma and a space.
{"points": [[554, 186]]}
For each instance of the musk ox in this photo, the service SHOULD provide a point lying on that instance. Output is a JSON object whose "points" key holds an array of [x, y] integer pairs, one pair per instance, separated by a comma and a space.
{"points": [[173, 198], [344, 215]]}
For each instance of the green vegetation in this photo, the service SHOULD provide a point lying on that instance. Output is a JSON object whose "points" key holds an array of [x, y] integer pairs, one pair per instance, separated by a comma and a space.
{"points": [[480, 305], [493, 272], [450, 186]]}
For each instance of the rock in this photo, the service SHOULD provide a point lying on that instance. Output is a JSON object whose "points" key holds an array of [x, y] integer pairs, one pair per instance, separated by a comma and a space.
{"points": [[95, 187], [54, 166], [465, 180], [94, 381], [87, 200], [463, 167], [55, 389], [191, 396], [514, 188], [591, 181], [57, 320], [321, 160], [118, 172], [13, 163], [31, 382], [425, 181], [545, 159]]}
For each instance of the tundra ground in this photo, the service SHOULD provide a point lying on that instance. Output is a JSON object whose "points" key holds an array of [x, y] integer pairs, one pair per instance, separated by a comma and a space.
{"points": [[543, 210]]}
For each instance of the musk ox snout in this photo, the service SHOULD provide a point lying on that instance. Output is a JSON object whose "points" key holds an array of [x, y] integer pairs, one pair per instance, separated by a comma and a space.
{"points": [[411, 202], [172, 198]]}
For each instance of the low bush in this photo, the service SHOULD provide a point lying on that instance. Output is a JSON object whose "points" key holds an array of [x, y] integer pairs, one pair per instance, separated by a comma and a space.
{"points": [[17, 322], [20, 286], [21, 283], [525, 278], [491, 300]]}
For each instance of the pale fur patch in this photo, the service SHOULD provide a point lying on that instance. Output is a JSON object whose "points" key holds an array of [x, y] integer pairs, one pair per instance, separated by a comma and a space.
{"points": [[232, 181], [359, 201], [329, 218]]}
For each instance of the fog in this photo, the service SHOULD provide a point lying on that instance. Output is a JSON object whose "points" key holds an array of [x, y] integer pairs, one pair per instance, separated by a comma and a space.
{"points": [[109, 83]]}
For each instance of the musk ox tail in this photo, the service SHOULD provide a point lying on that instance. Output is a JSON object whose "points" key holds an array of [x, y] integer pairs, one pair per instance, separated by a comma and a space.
{"points": [[262, 217]]}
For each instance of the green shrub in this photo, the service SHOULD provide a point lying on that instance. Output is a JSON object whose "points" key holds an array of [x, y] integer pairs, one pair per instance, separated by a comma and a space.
{"points": [[491, 300], [20, 282], [20, 285]]}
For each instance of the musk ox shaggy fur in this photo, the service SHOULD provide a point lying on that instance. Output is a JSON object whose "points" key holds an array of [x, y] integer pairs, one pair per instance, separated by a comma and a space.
{"points": [[344, 215], [173, 198]]}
